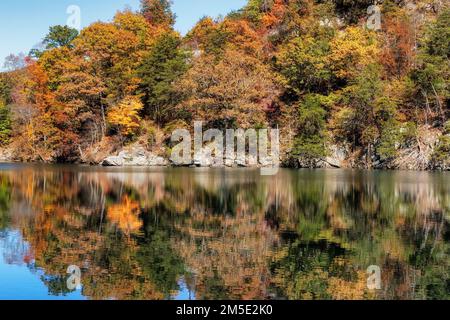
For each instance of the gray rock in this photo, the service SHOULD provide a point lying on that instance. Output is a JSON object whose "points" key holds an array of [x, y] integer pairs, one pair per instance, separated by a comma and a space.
{"points": [[203, 159], [335, 159], [113, 162], [135, 156], [267, 162], [229, 161], [333, 162]]}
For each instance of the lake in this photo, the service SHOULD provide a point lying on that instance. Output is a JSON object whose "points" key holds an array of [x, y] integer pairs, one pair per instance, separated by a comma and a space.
{"points": [[222, 234]]}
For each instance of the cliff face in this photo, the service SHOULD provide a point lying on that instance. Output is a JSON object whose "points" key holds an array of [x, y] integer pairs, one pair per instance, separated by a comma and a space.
{"points": [[423, 153]]}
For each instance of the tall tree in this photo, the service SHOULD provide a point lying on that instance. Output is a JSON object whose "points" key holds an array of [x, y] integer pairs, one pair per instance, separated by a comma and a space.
{"points": [[5, 124], [60, 36], [236, 91], [57, 37], [158, 12], [165, 63]]}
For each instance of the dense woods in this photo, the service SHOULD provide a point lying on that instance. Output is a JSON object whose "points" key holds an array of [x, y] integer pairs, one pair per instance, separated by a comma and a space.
{"points": [[334, 87]]}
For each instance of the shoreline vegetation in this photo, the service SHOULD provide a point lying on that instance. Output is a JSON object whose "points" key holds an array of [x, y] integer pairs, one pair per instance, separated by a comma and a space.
{"points": [[342, 94]]}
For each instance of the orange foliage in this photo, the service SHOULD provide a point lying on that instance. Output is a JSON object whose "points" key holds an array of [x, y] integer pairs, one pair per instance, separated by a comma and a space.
{"points": [[399, 49], [126, 215]]}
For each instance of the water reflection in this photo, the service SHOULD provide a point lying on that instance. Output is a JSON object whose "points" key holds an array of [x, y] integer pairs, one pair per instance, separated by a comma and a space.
{"points": [[223, 234]]}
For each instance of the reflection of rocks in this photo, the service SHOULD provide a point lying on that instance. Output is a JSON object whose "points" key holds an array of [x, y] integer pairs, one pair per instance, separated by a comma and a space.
{"points": [[136, 156]]}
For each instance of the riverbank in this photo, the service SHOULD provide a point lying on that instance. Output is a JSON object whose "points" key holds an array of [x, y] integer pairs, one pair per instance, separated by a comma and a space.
{"points": [[413, 159], [428, 151]]}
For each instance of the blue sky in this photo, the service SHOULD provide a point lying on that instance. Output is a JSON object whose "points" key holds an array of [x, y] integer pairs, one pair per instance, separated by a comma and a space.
{"points": [[23, 23]]}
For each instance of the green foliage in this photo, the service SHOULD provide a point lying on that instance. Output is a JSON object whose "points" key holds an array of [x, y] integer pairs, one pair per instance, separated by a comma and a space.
{"points": [[310, 142], [255, 9], [362, 97], [438, 43], [441, 154], [409, 132], [5, 89], [165, 63], [58, 36], [5, 201], [302, 63], [432, 76], [216, 40], [389, 128], [389, 141], [447, 127], [5, 125]]}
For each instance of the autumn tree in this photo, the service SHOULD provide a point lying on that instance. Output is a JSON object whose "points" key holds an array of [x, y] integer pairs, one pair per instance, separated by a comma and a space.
{"points": [[50, 136], [125, 116], [100, 70], [158, 12], [233, 92], [352, 50], [302, 62], [398, 53], [15, 62]]}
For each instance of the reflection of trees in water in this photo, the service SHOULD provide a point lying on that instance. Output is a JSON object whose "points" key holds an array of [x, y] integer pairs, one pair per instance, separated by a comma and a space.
{"points": [[14, 250], [299, 235]]}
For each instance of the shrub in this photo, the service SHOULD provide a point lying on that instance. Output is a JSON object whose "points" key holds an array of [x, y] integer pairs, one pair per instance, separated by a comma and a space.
{"points": [[310, 142], [5, 125]]}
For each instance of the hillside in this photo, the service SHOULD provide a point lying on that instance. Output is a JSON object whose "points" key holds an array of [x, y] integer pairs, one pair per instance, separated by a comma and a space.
{"points": [[348, 84]]}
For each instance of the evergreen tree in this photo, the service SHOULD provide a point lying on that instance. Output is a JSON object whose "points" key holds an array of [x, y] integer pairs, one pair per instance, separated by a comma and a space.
{"points": [[58, 36], [165, 63], [310, 141], [5, 125]]}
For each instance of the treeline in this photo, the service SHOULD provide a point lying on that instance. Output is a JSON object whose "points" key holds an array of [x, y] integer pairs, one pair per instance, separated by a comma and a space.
{"points": [[313, 68]]}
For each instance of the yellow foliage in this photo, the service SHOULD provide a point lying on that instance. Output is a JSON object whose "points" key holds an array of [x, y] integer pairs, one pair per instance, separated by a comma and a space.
{"points": [[125, 115], [126, 215], [341, 289], [352, 50]]}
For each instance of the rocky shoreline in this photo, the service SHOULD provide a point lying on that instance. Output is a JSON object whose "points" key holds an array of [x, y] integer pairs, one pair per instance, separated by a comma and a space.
{"points": [[415, 158], [338, 158]]}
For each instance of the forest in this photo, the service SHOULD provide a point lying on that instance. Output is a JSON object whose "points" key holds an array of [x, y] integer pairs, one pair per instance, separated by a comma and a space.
{"points": [[342, 94]]}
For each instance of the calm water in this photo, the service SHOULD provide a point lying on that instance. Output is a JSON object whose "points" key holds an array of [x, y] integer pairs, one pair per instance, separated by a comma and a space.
{"points": [[216, 234]]}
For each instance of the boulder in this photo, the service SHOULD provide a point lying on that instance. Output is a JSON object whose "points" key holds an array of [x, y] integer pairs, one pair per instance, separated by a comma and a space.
{"points": [[135, 156], [203, 159], [113, 162], [336, 158]]}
